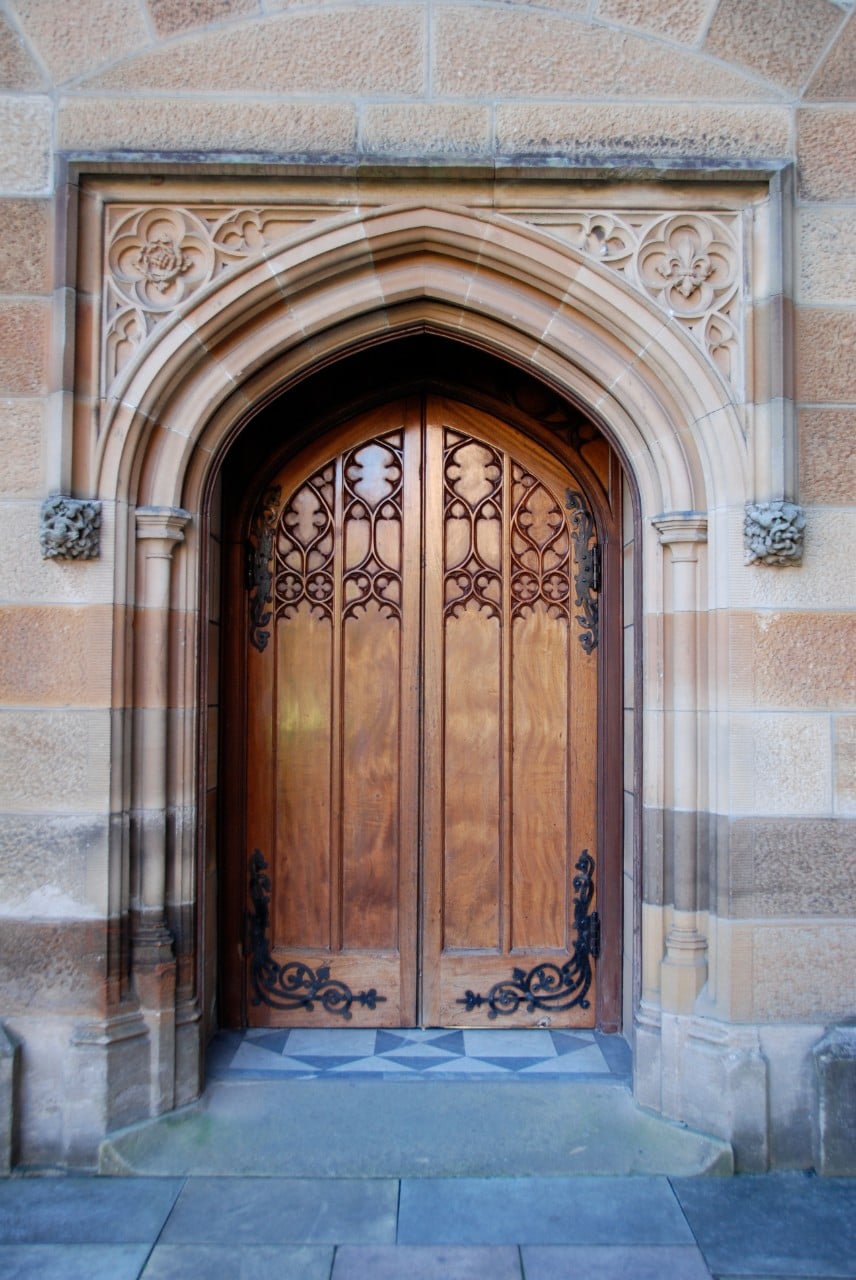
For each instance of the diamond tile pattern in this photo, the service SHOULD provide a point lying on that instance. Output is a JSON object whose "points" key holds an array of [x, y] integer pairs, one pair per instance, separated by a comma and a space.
{"points": [[306, 1052]]}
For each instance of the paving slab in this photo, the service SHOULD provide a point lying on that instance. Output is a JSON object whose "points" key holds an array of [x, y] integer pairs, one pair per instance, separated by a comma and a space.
{"points": [[423, 1262], [271, 1211], [72, 1210], [72, 1261], [608, 1262], [540, 1211], [249, 1262], [354, 1128], [774, 1225]]}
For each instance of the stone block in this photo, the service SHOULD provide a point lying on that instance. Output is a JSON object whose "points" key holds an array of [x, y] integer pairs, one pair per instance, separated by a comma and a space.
{"points": [[780, 40], [833, 80], [422, 129], [24, 575], [477, 52], [9, 1054], [826, 153], [73, 648], [25, 160], [788, 866], [826, 256], [835, 1130], [844, 764], [680, 20], [803, 970], [22, 440], [69, 46], [780, 764], [828, 456], [825, 342], [363, 49], [173, 16], [18, 70], [792, 1094], [24, 337], [804, 660], [54, 760], [25, 234], [51, 970], [652, 132], [207, 123], [54, 866]]}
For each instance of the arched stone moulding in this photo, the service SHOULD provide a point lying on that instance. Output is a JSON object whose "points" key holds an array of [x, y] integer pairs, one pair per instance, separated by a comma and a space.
{"points": [[360, 278]]}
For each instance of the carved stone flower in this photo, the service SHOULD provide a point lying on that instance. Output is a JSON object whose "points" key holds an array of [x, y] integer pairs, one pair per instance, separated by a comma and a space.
{"points": [[773, 533], [160, 260], [686, 269]]}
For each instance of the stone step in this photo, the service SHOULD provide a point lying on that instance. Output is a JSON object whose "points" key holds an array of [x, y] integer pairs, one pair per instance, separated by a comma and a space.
{"points": [[412, 1128]]}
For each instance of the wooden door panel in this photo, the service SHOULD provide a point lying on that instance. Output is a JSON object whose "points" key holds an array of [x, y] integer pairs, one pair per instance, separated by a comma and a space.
{"points": [[327, 786], [422, 711], [505, 796]]}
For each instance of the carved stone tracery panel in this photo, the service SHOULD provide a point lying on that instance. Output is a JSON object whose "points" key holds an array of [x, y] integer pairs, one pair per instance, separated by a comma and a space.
{"points": [[690, 264]]}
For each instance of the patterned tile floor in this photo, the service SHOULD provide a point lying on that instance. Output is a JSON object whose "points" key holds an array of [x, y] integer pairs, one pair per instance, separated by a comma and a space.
{"points": [[307, 1053]]}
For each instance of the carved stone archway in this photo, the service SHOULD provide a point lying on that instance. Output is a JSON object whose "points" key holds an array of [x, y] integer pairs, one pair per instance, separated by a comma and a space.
{"points": [[240, 339]]}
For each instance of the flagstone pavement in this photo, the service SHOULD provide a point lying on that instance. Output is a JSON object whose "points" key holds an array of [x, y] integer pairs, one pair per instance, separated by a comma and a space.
{"points": [[379, 1227]]}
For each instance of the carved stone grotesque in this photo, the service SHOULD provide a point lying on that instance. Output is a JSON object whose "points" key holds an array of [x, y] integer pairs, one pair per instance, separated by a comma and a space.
{"points": [[773, 533], [70, 528]]}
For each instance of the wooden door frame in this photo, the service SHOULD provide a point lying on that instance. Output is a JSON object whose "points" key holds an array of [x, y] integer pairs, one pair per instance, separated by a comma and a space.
{"points": [[250, 479]]}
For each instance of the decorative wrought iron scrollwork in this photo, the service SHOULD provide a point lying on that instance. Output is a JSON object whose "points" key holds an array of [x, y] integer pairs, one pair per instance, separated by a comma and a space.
{"points": [[293, 985], [259, 568], [551, 987], [587, 576]]}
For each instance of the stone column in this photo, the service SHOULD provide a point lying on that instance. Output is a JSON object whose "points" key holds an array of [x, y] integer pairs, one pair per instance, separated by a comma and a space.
{"points": [[159, 530], [684, 969]]}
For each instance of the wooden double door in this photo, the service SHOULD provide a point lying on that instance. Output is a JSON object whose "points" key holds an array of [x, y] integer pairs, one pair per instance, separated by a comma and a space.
{"points": [[420, 668]]}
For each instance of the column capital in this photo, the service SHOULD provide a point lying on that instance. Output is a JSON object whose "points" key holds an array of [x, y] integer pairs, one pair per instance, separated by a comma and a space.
{"points": [[165, 524], [680, 526]]}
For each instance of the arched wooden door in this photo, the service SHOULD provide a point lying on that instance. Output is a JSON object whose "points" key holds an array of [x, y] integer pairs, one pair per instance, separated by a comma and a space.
{"points": [[420, 827]]}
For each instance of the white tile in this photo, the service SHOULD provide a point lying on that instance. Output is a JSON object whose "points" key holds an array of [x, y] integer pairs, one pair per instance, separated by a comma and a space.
{"points": [[465, 1067], [520, 1043], [584, 1062], [420, 1049], [334, 1042], [371, 1066]]}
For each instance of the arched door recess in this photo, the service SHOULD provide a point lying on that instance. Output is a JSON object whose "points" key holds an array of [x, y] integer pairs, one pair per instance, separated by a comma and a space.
{"points": [[418, 763]]}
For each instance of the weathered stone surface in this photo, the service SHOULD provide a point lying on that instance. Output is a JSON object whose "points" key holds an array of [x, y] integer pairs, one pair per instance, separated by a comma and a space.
{"points": [[70, 46], [54, 760], [478, 51], [804, 660], [25, 576], [788, 867], [56, 656], [833, 80], [650, 132], [778, 39], [25, 265], [365, 50], [18, 69], [22, 434], [25, 158], [835, 1136], [780, 764], [73, 882], [828, 456], [826, 243], [826, 153], [208, 123], [826, 340], [411, 129], [844, 763], [821, 581], [24, 338], [799, 969], [9, 1056], [681, 20], [173, 16], [45, 968]]}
